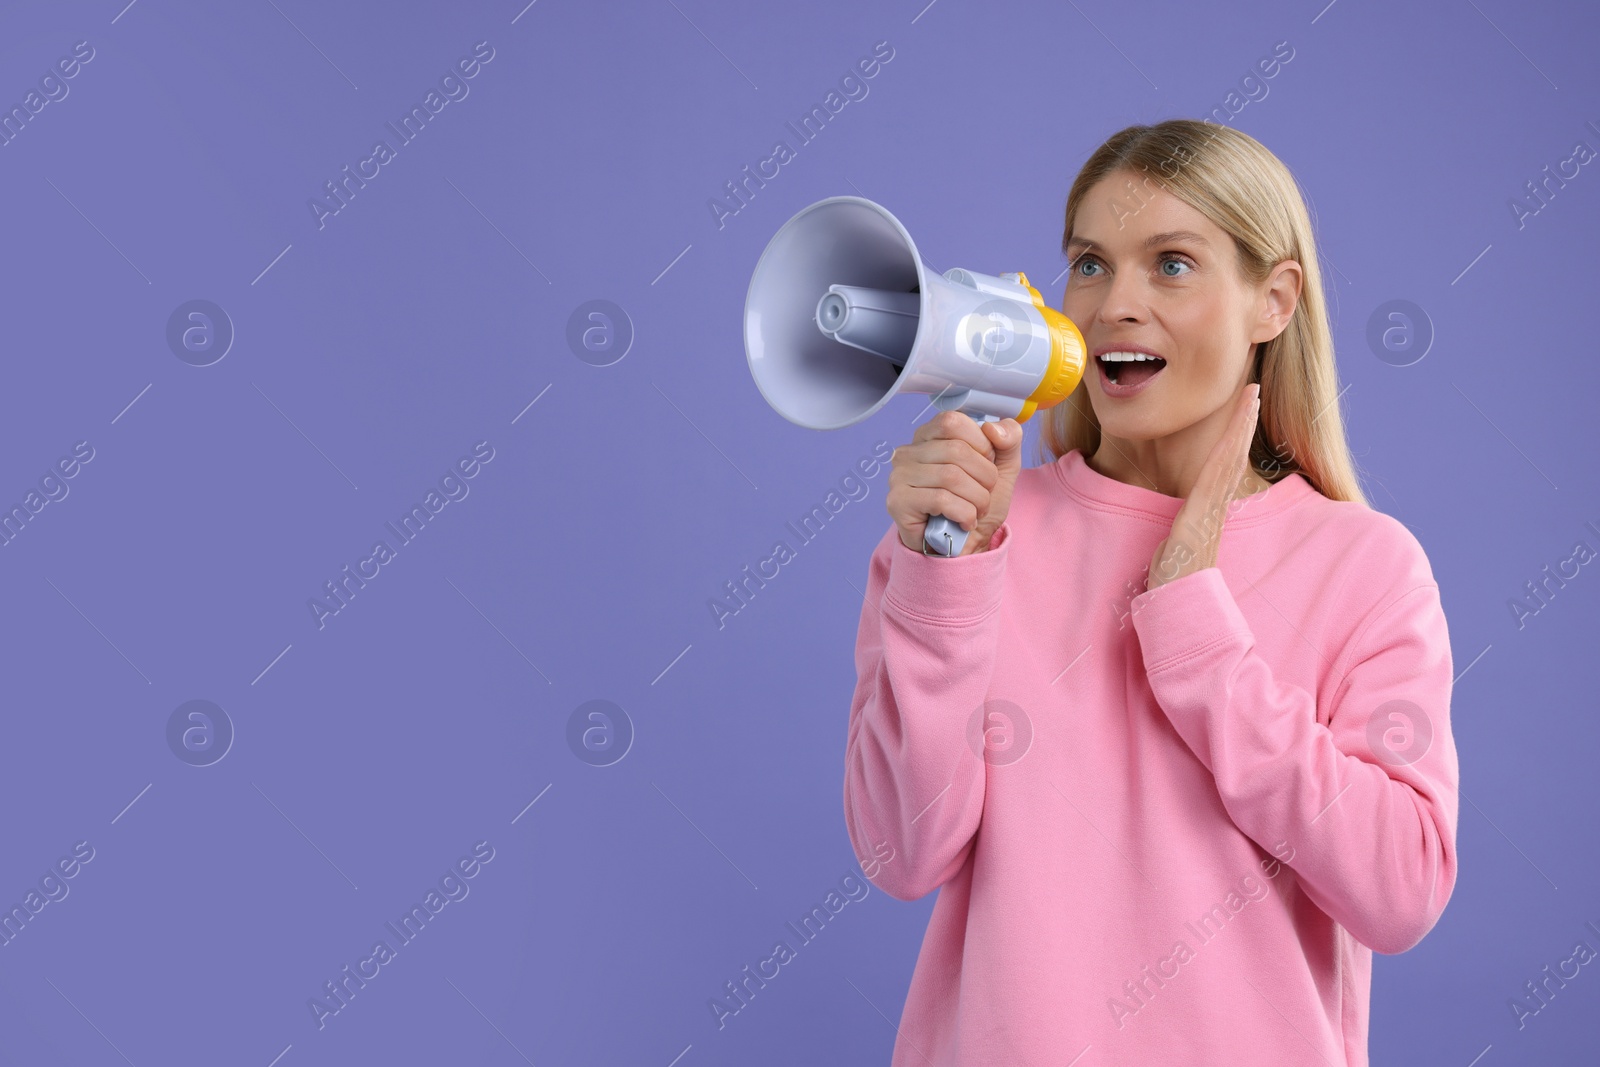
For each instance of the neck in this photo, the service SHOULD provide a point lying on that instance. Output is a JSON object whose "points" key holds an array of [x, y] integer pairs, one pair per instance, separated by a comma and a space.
{"points": [[1143, 464]]}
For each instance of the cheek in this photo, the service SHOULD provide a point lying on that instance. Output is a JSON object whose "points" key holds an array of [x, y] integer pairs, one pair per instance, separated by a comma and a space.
{"points": [[1202, 335], [1073, 306]]}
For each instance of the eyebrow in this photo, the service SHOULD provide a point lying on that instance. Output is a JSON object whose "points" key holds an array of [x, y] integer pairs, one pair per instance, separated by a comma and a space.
{"points": [[1150, 242]]}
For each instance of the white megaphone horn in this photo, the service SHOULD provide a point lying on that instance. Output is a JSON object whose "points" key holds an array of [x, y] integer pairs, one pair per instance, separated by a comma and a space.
{"points": [[842, 315]]}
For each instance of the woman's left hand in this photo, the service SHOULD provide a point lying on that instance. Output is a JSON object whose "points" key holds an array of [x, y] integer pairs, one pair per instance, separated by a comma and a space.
{"points": [[1197, 530]]}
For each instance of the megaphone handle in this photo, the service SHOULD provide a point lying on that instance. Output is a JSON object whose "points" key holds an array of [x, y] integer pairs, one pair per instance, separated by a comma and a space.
{"points": [[942, 534]]}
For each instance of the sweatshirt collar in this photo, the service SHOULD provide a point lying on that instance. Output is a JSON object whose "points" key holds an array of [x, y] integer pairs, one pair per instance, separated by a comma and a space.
{"points": [[1103, 493]]}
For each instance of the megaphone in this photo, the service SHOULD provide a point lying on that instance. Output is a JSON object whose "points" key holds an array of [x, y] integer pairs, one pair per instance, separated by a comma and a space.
{"points": [[842, 315]]}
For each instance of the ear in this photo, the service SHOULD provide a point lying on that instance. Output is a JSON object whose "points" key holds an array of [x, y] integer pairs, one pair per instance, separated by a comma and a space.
{"points": [[1280, 294]]}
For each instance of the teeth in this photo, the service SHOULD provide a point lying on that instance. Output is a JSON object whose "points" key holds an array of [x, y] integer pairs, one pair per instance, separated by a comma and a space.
{"points": [[1126, 357]]}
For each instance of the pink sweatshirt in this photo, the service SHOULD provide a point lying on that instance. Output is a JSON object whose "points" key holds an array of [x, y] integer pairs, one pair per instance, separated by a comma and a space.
{"points": [[1167, 826]]}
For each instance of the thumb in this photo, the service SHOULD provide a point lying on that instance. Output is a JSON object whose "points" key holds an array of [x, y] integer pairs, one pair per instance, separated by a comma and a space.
{"points": [[1006, 435]]}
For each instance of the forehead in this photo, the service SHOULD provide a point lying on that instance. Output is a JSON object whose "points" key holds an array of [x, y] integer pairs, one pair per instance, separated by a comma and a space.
{"points": [[1126, 211]]}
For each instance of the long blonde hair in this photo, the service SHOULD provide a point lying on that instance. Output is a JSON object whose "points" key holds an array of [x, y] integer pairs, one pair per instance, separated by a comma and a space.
{"points": [[1233, 180]]}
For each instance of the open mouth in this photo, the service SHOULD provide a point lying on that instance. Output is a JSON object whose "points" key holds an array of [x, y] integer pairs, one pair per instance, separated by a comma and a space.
{"points": [[1130, 368]]}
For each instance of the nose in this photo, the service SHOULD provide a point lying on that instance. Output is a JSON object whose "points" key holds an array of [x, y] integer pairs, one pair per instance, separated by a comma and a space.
{"points": [[1124, 300]]}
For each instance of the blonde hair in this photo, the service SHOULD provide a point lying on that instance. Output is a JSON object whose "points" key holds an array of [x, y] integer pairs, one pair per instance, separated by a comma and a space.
{"points": [[1233, 180]]}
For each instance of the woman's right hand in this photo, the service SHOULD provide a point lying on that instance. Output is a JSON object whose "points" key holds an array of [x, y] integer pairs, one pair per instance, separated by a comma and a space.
{"points": [[957, 468]]}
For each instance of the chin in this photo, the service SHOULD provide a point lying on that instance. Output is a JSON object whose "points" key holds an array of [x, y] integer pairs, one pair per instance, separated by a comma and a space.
{"points": [[1134, 426]]}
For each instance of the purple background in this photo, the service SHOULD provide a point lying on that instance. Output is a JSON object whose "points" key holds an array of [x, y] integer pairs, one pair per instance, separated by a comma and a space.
{"points": [[372, 353]]}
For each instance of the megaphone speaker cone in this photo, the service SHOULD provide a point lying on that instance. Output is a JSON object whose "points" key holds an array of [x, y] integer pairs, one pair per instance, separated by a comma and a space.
{"points": [[815, 378]]}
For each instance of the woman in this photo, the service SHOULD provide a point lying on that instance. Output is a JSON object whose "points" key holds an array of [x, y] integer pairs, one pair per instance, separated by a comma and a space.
{"points": [[1171, 735]]}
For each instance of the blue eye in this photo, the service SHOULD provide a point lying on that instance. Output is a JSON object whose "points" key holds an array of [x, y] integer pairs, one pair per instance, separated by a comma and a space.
{"points": [[1170, 258], [1166, 257]]}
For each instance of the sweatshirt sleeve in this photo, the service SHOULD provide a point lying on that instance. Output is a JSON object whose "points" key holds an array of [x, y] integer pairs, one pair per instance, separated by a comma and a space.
{"points": [[1367, 802], [925, 650]]}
